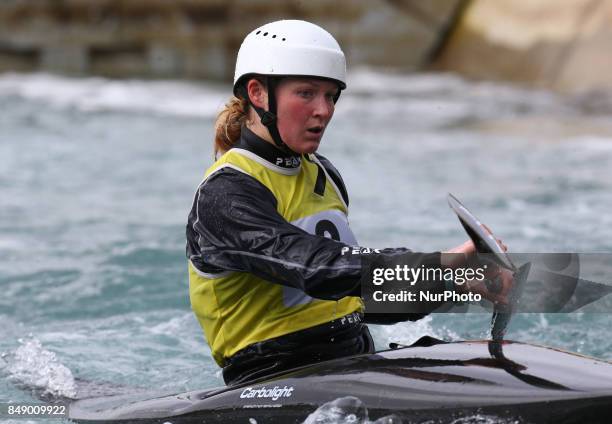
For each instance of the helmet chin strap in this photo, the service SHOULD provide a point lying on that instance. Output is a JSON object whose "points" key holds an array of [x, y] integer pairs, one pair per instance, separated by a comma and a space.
{"points": [[268, 117]]}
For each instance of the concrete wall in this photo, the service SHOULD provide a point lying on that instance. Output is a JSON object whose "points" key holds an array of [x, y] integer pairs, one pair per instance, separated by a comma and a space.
{"points": [[200, 38], [565, 45]]}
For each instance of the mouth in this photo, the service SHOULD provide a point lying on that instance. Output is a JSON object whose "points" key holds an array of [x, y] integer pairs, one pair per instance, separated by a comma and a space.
{"points": [[318, 130]]}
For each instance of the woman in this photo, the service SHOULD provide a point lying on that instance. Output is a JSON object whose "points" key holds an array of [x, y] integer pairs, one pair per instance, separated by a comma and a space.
{"points": [[271, 281]]}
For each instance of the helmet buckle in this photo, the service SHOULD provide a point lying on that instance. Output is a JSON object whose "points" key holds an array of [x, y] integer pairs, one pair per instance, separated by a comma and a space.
{"points": [[268, 118]]}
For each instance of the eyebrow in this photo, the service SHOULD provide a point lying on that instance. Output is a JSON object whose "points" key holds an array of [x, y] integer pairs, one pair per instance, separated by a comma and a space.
{"points": [[309, 82], [314, 83]]}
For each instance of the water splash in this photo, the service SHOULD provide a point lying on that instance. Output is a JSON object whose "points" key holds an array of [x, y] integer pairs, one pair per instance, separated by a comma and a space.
{"points": [[351, 410], [346, 410], [407, 333], [32, 366]]}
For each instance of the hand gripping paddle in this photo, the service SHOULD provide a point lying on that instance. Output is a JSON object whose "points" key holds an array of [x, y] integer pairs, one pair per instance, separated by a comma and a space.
{"points": [[486, 243]]}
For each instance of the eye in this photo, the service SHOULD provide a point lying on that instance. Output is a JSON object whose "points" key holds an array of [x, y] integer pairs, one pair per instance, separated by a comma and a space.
{"points": [[305, 93]]}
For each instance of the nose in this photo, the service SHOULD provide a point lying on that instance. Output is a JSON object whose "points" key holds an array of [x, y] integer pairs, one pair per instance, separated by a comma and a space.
{"points": [[324, 108]]}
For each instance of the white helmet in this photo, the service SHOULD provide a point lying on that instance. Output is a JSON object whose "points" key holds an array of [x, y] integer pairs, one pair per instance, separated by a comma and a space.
{"points": [[290, 47]]}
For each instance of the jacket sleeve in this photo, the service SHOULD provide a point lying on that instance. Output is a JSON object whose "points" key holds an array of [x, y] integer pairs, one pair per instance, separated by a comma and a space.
{"points": [[234, 226]]}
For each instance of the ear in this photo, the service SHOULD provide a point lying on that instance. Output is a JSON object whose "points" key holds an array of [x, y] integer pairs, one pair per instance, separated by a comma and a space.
{"points": [[257, 93]]}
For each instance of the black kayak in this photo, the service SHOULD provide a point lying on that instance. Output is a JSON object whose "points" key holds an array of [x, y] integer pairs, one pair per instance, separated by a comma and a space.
{"points": [[428, 382]]}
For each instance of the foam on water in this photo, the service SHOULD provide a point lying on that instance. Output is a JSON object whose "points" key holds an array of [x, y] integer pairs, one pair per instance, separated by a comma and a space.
{"points": [[426, 100], [173, 326], [34, 367], [346, 410], [351, 410], [438, 100], [98, 94], [21, 421], [407, 334]]}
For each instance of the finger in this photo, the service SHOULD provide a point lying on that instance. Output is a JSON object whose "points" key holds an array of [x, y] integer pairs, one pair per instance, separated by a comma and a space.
{"points": [[507, 282], [492, 272], [495, 285], [470, 248]]}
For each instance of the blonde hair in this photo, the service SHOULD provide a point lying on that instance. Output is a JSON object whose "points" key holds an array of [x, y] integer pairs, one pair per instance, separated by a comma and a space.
{"points": [[228, 124]]}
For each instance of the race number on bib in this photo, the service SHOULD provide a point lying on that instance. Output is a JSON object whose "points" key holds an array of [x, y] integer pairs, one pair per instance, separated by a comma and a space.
{"points": [[332, 224]]}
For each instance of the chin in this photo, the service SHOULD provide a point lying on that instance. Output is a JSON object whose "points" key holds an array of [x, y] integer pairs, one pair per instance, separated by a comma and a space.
{"points": [[312, 149], [305, 147]]}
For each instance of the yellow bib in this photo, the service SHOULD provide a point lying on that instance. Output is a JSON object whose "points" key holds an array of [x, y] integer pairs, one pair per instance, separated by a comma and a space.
{"points": [[236, 309]]}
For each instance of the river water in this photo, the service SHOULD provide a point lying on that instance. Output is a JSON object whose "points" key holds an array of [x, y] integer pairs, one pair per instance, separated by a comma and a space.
{"points": [[97, 177]]}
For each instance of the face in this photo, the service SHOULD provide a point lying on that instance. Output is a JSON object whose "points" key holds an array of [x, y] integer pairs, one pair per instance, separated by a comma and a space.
{"points": [[304, 108]]}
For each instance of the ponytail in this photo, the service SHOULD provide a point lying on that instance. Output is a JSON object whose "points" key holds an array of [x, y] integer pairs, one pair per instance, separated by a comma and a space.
{"points": [[228, 124]]}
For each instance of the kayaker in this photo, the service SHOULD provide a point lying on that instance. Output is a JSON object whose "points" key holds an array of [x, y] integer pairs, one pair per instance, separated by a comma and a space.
{"points": [[274, 270]]}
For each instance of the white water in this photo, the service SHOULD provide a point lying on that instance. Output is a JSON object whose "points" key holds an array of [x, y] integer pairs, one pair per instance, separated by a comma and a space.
{"points": [[350, 410], [97, 177], [34, 367]]}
